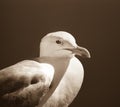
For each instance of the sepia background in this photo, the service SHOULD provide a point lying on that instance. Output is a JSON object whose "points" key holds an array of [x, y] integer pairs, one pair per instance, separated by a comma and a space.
{"points": [[94, 24]]}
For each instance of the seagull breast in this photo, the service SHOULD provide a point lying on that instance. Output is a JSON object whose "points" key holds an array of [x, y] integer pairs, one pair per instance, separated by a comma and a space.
{"points": [[69, 85]]}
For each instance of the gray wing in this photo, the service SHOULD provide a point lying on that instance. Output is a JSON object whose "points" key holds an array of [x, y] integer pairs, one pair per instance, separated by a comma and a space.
{"points": [[25, 83]]}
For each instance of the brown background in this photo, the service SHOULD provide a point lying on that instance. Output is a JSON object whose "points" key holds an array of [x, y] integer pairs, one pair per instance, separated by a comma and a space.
{"points": [[95, 25]]}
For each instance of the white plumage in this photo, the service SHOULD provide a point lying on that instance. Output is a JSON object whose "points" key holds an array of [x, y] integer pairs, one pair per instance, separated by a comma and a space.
{"points": [[68, 87], [52, 80]]}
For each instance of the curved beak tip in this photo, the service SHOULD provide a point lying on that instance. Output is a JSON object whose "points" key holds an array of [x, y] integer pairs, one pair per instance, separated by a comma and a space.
{"points": [[83, 52], [88, 55]]}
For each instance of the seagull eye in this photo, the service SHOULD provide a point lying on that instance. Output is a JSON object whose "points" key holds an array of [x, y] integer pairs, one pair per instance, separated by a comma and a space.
{"points": [[58, 42]]}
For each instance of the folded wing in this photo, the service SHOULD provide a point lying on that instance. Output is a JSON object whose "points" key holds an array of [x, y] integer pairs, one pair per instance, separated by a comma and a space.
{"points": [[25, 83]]}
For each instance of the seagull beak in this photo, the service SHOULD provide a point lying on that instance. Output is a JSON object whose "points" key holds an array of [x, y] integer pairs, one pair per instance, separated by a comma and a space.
{"points": [[83, 52]]}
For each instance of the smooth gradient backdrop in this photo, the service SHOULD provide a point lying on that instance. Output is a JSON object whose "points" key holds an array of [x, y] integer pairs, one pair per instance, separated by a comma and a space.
{"points": [[94, 24]]}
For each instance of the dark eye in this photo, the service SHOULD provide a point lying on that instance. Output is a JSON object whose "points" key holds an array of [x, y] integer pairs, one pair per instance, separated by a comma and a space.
{"points": [[58, 42]]}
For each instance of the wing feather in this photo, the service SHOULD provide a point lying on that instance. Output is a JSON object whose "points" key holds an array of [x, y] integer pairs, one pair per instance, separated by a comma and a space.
{"points": [[25, 83]]}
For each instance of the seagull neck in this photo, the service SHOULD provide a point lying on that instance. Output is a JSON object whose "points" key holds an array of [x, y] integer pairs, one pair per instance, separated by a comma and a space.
{"points": [[60, 65]]}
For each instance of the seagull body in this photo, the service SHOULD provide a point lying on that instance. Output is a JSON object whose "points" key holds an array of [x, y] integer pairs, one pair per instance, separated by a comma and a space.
{"points": [[52, 80]]}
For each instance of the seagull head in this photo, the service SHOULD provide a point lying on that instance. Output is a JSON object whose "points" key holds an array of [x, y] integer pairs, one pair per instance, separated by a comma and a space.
{"points": [[61, 44]]}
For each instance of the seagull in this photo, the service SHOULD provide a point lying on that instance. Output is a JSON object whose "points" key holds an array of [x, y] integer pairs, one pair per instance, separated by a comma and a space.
{"points": [[51, 80]]}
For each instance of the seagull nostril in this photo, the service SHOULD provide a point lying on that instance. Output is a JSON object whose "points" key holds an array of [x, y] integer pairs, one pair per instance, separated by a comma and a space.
{"points": [[34, 80]]}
